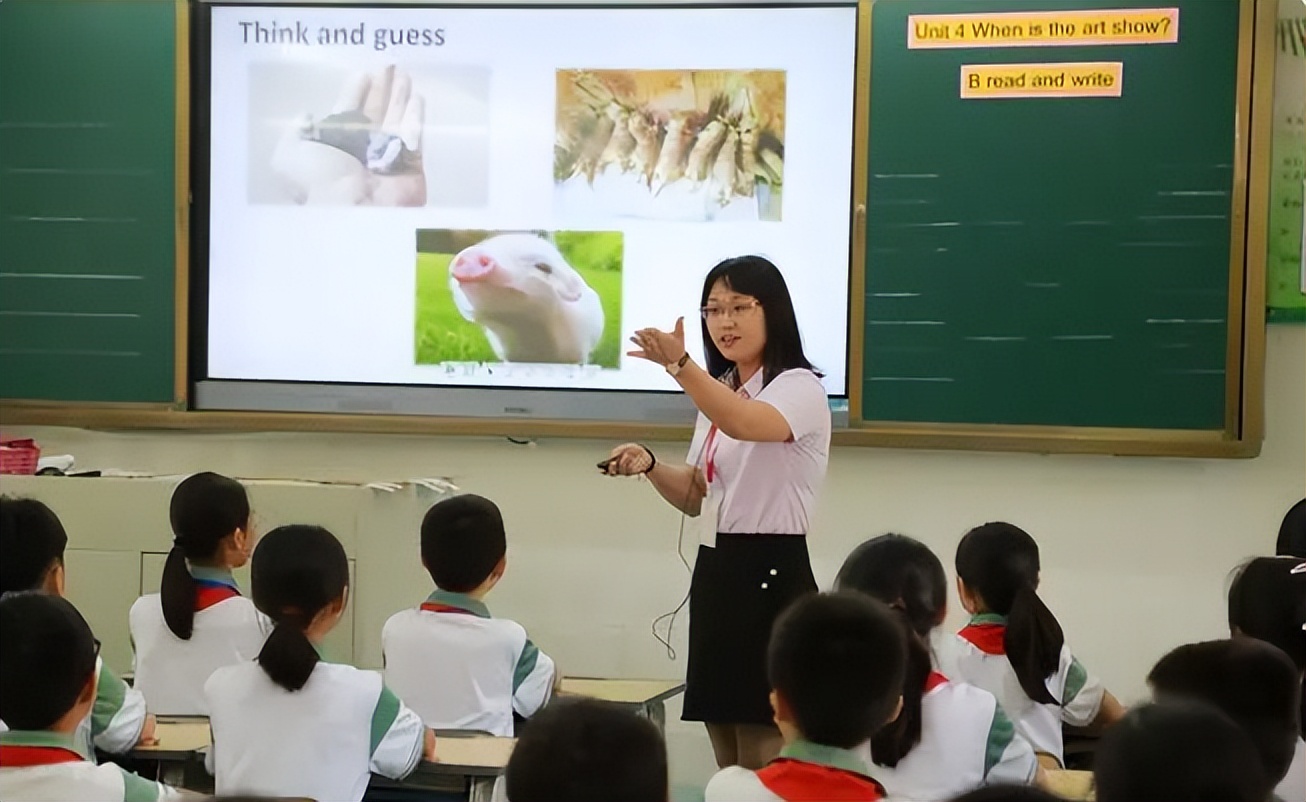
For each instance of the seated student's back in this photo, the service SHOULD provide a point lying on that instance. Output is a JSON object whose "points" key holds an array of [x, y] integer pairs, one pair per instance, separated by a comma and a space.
{"points": [[950, 736], [586, 750], [1178, 751], [1013, 646], [835, 662], [198, 621], [291, 724], [47, 688], [32, 543], [1250, 681], [449, 659]]}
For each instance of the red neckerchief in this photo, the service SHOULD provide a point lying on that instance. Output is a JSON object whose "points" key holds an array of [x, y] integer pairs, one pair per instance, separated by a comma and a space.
{"points": [[436, 607], [17, 756], [799, 781], [934, 680], [988, 638], [209, 593]]}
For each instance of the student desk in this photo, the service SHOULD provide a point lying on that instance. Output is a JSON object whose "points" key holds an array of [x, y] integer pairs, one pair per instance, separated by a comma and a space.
{"points": [[182, 741], [1075, 785], [647, 697], [471, 764]]}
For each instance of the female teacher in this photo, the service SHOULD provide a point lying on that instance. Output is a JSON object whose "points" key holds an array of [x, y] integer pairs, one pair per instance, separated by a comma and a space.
{"points": [[755, 464]]}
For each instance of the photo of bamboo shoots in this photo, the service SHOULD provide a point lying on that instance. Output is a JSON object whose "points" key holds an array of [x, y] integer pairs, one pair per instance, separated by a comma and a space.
{"points": [[717, 135]]}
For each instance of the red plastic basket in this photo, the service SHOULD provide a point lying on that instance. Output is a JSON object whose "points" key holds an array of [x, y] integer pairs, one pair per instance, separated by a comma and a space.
{"points": [[19, 456]]}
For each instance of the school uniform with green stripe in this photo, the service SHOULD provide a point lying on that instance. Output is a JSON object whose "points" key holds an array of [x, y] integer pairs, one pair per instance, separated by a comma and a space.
{"points": [[51, 767], [321, 742], [966, 742], [461, 668], [981, 660]]}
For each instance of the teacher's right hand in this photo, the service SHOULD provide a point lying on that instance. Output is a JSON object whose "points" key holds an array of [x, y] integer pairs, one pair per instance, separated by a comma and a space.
{"points": [[629, 459]]}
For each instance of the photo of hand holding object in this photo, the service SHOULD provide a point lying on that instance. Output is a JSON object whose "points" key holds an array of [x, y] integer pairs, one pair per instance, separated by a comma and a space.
{"points": [[367, 151]]}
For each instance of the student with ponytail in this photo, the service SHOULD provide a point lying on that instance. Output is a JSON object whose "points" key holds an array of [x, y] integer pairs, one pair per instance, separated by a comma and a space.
{"points": [[291, 724], [1013, 646], [198, 622], [950, 737]]}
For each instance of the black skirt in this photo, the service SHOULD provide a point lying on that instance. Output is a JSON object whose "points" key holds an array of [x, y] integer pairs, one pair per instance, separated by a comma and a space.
{"points": [[737, 591]]}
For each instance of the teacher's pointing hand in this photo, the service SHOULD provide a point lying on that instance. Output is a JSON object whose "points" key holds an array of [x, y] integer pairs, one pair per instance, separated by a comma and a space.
{"points": [[660, 347]]}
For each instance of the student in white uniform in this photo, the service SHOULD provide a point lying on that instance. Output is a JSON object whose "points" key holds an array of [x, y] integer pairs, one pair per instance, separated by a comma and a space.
{"points": [[47, 688], [754, 470], [1267, 601], [291, 724], [449, 659], [1253, 682], [1180, 750], [836, 663], [587, 750], [32, 543], [198, 621], [1013, 646], [950, 737]]}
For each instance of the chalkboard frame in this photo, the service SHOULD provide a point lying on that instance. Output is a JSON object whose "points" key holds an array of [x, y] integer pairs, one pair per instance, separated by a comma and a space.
{"points": [[1245, 358], [1244, 423]]}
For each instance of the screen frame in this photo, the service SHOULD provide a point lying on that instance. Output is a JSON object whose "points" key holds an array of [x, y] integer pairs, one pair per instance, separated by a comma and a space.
{"points": [[643, 407]]}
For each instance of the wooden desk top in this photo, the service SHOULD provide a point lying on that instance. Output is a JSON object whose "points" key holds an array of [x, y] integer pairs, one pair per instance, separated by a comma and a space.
{"points": [[1076, 785], [623, 691], [179, 739], [473, 756]]}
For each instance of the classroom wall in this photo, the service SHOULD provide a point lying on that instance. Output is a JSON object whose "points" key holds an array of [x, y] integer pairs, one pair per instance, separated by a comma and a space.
{"points": [[1135, 550]]}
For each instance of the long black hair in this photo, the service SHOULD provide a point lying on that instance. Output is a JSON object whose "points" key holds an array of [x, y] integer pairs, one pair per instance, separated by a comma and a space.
{"points": [[758, 277], [298, 570], [999, 561], [1267, 601], [205, 508], [904, 574]]}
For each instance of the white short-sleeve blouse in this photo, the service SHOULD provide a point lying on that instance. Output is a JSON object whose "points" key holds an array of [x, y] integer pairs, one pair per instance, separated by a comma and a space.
{"points": [[769, 488]]}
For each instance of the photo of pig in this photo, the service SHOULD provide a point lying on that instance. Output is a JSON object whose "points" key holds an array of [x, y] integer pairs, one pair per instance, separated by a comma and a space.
{"points": [[684, 145], [523, 297], [340, 135]]}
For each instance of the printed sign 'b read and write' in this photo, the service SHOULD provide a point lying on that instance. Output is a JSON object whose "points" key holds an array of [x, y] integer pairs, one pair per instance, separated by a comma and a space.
{"points": [[1066, 79]]}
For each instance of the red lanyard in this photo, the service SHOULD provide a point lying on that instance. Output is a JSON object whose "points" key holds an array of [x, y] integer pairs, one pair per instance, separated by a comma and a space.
{"points": [[708, 449], [711, 452]]}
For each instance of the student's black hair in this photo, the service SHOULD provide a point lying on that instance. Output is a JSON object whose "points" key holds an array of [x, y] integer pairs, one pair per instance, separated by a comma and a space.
{"points": [[205, 508], [47, 655], [1251, 681], [1292, 532], [462, 541], [759, 278], [1178, 751], [587, 750], [838, 660], [904, 574], [1008, 792], [1267, 601], [999, 561], [32, 540], [298, 570]]}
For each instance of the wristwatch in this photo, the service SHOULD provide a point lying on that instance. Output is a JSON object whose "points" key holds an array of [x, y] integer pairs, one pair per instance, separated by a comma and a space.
{"points": [[674, 367]]}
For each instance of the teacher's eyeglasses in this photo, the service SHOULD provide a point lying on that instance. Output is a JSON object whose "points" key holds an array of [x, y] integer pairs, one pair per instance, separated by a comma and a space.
{"points": [[736, 311]]}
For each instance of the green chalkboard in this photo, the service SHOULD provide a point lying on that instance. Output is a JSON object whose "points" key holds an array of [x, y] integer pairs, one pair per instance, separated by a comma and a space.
{"points": [[87, 200], [1058, 261]]}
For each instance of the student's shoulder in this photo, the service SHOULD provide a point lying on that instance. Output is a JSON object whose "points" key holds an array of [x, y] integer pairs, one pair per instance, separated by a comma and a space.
{"points": [[736, 784], [149, 605], [136, 788]]}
